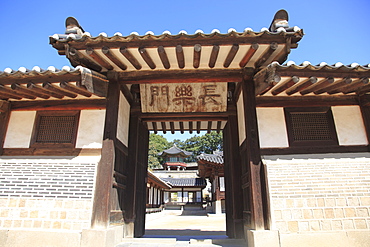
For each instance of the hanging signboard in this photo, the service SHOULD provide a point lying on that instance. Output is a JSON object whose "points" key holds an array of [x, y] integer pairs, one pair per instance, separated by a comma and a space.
{"points": [[184, 97]]}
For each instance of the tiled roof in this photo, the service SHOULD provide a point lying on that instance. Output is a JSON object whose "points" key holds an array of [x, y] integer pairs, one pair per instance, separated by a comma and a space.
{"points": [[68, 82], [186, 182], [216, 158], [175, 150], [308, 79]]}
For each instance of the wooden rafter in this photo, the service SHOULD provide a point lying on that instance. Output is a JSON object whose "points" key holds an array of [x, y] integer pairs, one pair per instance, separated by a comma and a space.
{"points": [[127, 54], [163, 56], [214, 55], [283, 86], [79, 90], [231, 55], [93, 54], [180, 56], [107, 52], [145, 55], [197, 53], [317, 86], [249, 54]]}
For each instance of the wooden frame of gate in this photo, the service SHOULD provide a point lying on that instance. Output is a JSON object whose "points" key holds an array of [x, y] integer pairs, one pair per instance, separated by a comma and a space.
{"points": [[179, 83], [127, 165]]}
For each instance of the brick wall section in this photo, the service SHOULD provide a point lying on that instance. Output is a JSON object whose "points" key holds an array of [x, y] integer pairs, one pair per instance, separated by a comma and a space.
{"points": [[309, 195], [46, 194]]}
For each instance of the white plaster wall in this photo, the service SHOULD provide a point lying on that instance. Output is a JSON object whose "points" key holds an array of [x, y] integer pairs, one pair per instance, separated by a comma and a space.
{"points": [[90, 129], [271, 127], [349, 125], [20, 129], [241, 120], [123, 120]]}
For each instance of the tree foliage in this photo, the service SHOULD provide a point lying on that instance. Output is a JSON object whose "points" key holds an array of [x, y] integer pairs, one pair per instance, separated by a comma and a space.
{"points": [[157, 144], [197, 144]]}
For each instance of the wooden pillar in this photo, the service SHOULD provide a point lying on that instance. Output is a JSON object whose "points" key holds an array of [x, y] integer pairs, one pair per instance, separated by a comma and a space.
{"points": [[364, 102], [104, 177], [4, 120], [129, 205], [233, 182], [141, 179], [253, 156]]}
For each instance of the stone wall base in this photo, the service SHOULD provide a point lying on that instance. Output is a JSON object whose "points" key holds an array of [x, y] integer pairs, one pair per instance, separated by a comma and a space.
{"points": [[39, 238], [262, 238], [102, 237], [44, 238], [356, 238]]}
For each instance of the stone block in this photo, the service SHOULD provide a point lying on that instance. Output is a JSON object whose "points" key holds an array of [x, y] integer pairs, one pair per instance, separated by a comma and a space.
{"points": [[350, 212], [314, 225], [293, 226], [102, 237], [33, 238], [262, 238], [3, 237], [360, 224], [359, 238], [317, 239]]}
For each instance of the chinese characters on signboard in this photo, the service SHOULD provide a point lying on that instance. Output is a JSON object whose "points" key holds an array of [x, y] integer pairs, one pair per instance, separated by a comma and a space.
{"points": [[184, 97]]}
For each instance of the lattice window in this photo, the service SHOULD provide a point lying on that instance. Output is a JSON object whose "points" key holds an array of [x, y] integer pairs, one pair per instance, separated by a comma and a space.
{"points": [[310, 126], [55, 128]]}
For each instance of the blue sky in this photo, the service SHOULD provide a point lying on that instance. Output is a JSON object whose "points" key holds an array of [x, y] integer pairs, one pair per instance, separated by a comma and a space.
{"points": [[335, 30]]}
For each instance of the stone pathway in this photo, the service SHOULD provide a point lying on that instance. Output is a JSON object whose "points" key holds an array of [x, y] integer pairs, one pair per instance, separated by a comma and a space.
{"points": [[173, 228]]}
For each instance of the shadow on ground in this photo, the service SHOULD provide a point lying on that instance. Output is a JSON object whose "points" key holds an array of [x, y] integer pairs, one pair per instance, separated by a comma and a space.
{"points": [[184, 234]]}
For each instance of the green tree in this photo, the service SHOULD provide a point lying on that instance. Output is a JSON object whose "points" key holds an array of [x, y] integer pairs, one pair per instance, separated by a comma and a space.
{"points": [[157, 144], [203, 144]]}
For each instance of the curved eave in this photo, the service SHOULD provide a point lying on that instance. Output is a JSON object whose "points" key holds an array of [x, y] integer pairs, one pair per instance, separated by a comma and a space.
{"points": [[136, 40], [54, 84], [307, 79], [173, 52]]}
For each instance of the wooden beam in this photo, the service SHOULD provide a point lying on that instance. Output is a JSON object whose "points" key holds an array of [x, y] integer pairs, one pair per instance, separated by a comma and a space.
{"points": [[145, 55], [163, 56], [58, 90], [181, 127], [106, 51], [198, 127], [94, 55], [177, 76], [263, 86], [180, 56], [22, 90], [74, 89], [42, 90], [231, 55], [335, 85], [197, 53], [248, 55], [317, 86], [301, 85], [266, 55], [127, 54], [214, 55], [308, 100], [363, 90], [285, 85], [163, 124]]}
